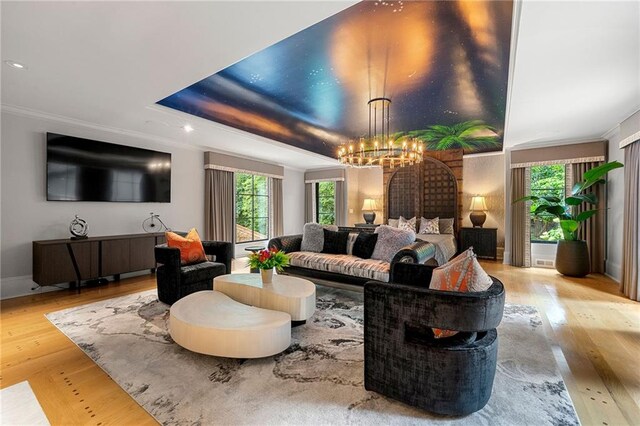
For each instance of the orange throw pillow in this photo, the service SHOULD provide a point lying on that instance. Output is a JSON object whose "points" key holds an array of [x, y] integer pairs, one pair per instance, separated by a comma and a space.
{"points": [[463, 274], [191, 249]]}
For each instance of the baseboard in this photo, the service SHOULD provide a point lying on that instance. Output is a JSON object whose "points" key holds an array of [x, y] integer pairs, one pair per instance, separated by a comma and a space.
{"points": [[11, 287], [613, 271]]}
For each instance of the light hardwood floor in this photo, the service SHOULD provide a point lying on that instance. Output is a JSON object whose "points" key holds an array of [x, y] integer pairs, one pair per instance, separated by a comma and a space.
{"points": [[594, 332]]}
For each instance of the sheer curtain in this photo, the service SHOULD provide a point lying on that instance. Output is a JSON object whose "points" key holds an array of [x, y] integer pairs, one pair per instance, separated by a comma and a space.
{"points": [[591, 230], [630, 283], [520, 218], [277, 208], [218, 205]]}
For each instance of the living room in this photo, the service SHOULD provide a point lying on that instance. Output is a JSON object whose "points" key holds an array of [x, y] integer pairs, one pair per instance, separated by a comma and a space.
{"points": [[282, 103]]}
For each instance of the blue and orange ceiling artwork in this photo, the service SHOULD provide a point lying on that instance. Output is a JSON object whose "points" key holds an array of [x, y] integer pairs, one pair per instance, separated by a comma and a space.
{"points": [[443, 64]]}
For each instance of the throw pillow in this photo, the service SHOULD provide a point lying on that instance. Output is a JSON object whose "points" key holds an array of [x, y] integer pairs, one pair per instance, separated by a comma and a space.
{"points": [[313, 236], [335, 242], [445, 226], [351, 241], [429, 226], [463, 274], [407, 224], [364, 245], [390, 241], [191, 249], [393, 222]]}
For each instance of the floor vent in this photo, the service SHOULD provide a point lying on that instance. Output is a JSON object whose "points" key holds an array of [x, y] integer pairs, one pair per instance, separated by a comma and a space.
{"points": [[544, 263]]}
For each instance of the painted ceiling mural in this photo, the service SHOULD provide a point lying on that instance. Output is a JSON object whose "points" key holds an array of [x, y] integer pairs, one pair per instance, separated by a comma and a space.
{"points": [[443, 64]]}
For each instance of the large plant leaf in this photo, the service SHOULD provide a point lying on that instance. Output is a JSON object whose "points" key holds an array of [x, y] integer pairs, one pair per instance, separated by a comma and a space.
{"points": [[569, 227], [585, 215], [581, 198], [527, 198], [597, 172]]}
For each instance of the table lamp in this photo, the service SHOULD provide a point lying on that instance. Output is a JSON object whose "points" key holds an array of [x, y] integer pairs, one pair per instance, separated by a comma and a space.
{"points": [[368, 210], [478, 208]]}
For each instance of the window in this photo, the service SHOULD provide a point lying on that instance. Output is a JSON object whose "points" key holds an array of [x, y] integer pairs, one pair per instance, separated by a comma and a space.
{"points": [[326, 202], [546, 181], [252, 208]]}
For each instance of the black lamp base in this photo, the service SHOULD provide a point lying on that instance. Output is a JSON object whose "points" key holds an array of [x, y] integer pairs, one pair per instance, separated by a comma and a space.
{"points": [[478, 218], [369, 217]]}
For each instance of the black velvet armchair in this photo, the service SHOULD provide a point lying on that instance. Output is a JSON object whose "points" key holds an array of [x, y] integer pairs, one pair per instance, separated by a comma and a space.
{"points": [[176, 281], [403, 360]]}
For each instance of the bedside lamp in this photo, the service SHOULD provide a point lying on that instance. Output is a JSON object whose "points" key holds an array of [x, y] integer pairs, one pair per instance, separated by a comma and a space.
{"points": [[478, 208], [368, 210]]}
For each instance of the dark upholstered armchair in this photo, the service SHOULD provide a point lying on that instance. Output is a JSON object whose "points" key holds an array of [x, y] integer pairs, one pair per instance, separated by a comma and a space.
{"points": [[451, 376], [176, 281]]}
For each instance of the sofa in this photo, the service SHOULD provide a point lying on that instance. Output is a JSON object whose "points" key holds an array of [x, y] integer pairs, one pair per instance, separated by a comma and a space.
{"points": [[337, 269]]}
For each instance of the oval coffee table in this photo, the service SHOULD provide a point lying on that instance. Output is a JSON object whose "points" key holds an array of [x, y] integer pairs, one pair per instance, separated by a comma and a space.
{"points": [[209, 322], [295, 296]]}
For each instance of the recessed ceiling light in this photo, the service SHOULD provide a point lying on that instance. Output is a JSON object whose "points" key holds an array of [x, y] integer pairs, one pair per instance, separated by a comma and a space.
{"points": [[187, 128], [16, 65]]}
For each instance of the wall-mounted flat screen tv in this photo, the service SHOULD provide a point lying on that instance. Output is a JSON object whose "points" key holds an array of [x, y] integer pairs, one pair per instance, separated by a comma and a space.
{"points": [[87, 170]]}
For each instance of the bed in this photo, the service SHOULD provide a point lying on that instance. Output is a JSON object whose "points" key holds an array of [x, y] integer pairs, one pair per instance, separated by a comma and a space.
{"points": [[428, 189]]}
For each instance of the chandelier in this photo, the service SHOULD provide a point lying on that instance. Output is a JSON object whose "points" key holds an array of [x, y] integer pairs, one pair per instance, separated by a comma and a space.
{"points": [[379, 149]]}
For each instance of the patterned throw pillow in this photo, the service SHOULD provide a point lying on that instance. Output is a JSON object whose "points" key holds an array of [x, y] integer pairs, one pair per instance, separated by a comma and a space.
{"points": [[191, 249], [429, 226], [313, 236], [445, 225], [464, 274], [407, 224], [335, 242], [351, 241], [390, 241], [393, 222]]}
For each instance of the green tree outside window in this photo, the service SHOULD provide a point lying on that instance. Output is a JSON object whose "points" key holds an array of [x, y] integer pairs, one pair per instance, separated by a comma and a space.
{"points": [[326, 202], [252, 208]]}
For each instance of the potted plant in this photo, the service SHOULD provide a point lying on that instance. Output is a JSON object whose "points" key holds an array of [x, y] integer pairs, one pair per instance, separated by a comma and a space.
{"points": [[572, 256], [266, 260]]}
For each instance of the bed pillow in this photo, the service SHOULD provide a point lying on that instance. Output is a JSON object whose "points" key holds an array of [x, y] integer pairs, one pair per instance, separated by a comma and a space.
{"points": [[445, 226], [407, 224], [393, 222], [313, 236], [335, 242], [191, 249], [390, 241], [464, 274], [429, 226], [364, 245]]}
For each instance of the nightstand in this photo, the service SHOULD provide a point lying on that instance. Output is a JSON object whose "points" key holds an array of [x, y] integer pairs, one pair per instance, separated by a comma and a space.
{"points": [[483, 240]]}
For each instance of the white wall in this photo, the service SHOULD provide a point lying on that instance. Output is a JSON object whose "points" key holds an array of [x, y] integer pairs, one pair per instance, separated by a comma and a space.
{"points": [[615, 208], [27, 216], [485, 175], [363, 183], [293, 190]]}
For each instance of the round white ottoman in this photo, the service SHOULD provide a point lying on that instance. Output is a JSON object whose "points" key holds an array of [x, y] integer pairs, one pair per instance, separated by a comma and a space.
{"points": [[209, 322]]}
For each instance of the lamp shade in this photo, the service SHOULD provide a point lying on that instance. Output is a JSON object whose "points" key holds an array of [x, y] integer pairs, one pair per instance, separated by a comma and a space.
{"points": [[478, 204], [370, 205]]}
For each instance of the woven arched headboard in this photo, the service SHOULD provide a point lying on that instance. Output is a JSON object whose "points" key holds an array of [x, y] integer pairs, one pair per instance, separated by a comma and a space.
{"points": [[429, 189]]}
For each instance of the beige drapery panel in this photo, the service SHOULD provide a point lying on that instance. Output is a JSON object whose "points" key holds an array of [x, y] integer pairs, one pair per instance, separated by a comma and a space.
{"points": [[630, 283], [341, 214], [592, 230], [309, 201], [520, 219], [218, 205], [277, 208]]}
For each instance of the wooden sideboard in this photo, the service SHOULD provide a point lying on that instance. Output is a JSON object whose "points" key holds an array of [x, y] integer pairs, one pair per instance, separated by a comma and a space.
{"points": [[60, 261]]}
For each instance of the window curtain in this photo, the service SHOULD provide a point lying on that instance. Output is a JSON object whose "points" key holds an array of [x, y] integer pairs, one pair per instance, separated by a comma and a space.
{"points": [[630, 283], [340, 204], [309, 201], [218, 205], [520, 218], [591, 230], [277, 208]]}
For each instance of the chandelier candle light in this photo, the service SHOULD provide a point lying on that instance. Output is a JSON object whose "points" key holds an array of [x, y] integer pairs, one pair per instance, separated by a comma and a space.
{"points": [[380, 149], [369, 206], [478, 208]]}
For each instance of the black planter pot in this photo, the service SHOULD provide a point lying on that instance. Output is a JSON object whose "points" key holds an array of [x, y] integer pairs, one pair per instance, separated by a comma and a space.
{"points": [[572, 258]]}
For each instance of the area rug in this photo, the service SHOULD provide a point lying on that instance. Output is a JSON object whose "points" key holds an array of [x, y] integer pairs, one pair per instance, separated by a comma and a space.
{"points": [[318, 380]]}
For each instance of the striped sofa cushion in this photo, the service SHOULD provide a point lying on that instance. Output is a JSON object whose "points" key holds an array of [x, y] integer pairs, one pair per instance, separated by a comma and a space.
{"points": [[342, 264]]}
